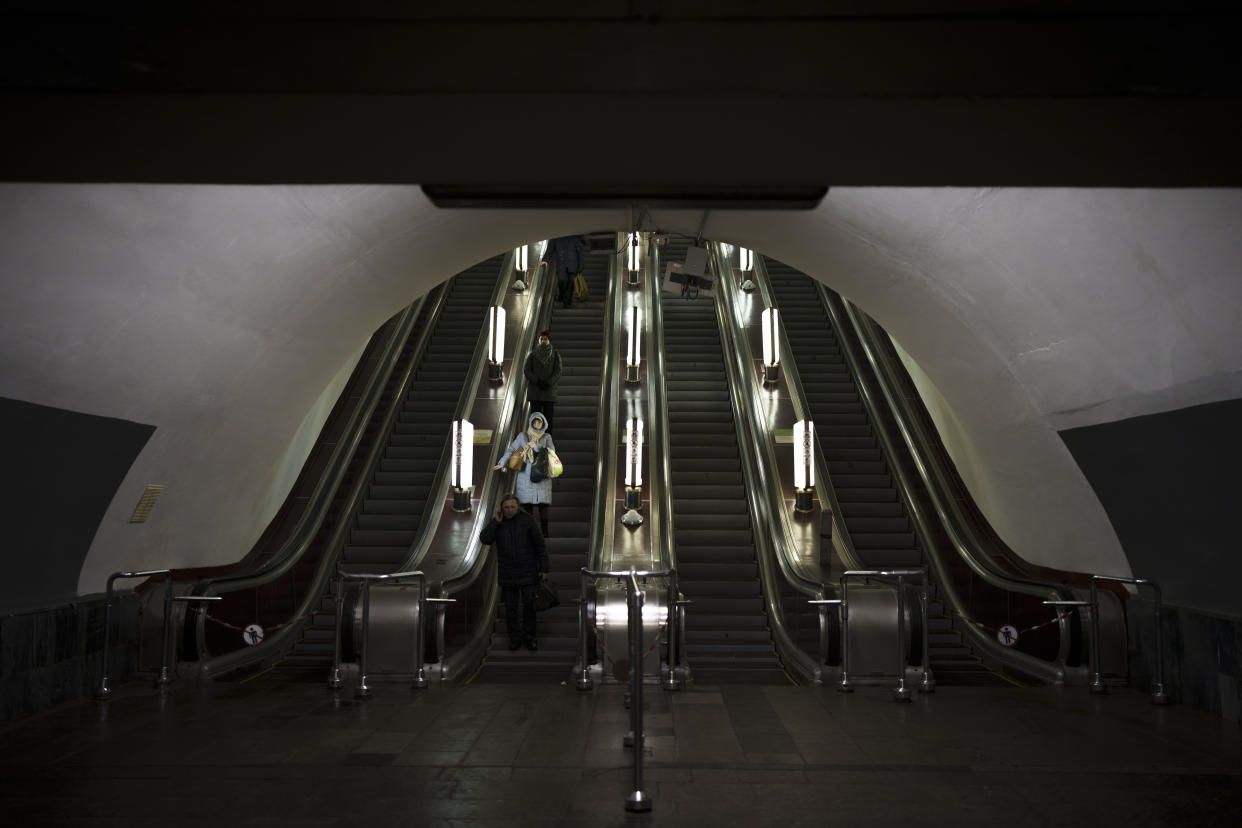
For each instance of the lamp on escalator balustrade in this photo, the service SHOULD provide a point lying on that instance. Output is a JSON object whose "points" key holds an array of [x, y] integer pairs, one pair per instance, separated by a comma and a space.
{"points": [[521, 264], [495, 342], [804, 468], [745, 259], [632, 261], [633, 342], [745, 264], [771, 345], [462, 473], [633, 463]]}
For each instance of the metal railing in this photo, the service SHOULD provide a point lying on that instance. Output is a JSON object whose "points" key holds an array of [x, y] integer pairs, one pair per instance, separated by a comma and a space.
{"points": [[839, 312], [637, 800], [1159, 695], [362, 691], [584, 681], [165, 677], [901, 693]]}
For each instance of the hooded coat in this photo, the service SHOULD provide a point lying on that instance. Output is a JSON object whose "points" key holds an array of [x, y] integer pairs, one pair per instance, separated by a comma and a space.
{"points": [[526, 491]]}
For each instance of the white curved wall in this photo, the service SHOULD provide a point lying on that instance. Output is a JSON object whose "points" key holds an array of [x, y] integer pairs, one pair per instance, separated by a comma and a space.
{"points": [[220, 314]]}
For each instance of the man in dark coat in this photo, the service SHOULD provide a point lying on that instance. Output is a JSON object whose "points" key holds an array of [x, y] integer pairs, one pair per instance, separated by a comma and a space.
{"points": [[521, 563], [543, 372], [569, 253]]}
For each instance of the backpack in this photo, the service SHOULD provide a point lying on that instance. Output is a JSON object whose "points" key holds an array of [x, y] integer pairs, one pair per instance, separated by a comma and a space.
{"points": [[581, 293]]}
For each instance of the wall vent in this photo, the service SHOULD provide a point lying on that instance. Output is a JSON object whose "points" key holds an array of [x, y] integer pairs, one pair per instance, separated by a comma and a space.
{"points": [[146, 503]]}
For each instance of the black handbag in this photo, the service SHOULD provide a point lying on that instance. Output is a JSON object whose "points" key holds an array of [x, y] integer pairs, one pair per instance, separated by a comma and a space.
{"points": [[545, 596], [539, 470]]}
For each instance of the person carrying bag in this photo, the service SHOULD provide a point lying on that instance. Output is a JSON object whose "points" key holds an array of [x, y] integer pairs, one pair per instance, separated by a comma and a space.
{"points": [[529, 448]]}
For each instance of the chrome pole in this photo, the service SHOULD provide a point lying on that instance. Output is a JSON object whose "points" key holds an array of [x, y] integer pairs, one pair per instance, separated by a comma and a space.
{"points": [[636, 801], [334, 678], [1158, 694], [901, 693], [928, 682], [420, 675], [584, 674], [844, 685], [1097, 679], [165, 676], [362, 691]]}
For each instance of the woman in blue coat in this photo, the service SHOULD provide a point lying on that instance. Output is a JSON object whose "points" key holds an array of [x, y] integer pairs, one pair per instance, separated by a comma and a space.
{"points": [[531, 443]]}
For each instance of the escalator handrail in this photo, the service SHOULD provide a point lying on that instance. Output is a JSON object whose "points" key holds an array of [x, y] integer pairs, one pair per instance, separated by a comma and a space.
{"points": [[601, 535], [761, 491], [660, 469], [1052, 672], [441, 482], [325, 491], [474, 560], [276, 645], [842, 542]]}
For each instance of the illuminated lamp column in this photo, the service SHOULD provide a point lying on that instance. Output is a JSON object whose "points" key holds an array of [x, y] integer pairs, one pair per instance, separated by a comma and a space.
{"points": [[771, 345], [495, 342], [463, 464], [633, 463], [633, 343], [633, 262], [804, 467]]}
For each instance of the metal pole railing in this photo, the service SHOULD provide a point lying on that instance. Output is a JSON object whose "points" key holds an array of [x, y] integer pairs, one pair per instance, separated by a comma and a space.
{"points": [[900, 693], [165, 677], [637, 800], [675, 648], [1159, 694], [103, 691], [362, 691]]}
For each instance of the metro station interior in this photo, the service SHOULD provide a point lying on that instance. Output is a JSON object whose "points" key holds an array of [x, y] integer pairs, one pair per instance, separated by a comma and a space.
{"points": [[899, 418]]}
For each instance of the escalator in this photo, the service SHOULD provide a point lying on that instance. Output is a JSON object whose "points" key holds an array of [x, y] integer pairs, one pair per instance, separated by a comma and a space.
{"points": [[872, 509], [578, 333], [396, 508], [727, 636]]}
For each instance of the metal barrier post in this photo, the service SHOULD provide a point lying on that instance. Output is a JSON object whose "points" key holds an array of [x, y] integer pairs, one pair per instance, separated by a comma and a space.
{"points": [[636, 801], [844, 685], [928, 682], [673, 602], [102, 690], [901, 693], [1097, 684], [1159, 695], [362, 691], [334, 678], [584, 675]]}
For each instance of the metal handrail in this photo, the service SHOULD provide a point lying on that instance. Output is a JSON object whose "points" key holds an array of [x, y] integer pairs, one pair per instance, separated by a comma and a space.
{"points": [[1051, 672], [362, 691], [762, 492], [660, 470], [638, 800], [1159, 694], [900, 693], [915, 438], [843, 543], [165, 678], [465, 401], [273, 647]]}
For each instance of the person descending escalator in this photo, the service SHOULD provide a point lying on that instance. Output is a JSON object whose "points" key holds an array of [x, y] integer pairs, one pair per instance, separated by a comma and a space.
{"points": [[521, 563], [529, 455], [543, 373]]}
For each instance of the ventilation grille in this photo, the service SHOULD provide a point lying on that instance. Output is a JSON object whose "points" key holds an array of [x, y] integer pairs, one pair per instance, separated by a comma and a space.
{"points": [[146, 503]]}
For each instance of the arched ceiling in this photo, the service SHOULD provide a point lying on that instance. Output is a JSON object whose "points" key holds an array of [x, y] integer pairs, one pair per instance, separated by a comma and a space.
{"points": [[220, 314]]}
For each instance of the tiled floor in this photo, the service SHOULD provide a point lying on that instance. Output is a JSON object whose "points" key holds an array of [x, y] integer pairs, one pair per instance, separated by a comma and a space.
{"points": [[277, 751]]}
